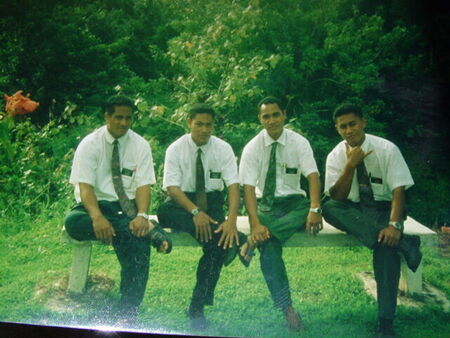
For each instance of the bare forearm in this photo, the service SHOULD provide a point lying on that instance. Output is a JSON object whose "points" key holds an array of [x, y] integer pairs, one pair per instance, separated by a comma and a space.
{"points": [[251, 204], [143, 197], [341, 188], [398, 204], [89, 200], [180, 198], [233, 200], [314, 189]]}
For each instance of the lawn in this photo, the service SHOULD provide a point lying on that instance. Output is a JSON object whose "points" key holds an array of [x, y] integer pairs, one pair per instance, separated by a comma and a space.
{"points": [[324, 285]]}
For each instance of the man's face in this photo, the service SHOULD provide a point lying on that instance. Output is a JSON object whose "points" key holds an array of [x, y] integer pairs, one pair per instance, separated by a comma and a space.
{"points": [[201, 127], [351, 128], [272, 118], [119, 122]]}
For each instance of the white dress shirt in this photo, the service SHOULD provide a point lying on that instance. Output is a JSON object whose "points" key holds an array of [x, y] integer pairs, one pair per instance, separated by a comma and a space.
{"points": [[294, 158], [92, 164], [385, 166], [218, 160]]}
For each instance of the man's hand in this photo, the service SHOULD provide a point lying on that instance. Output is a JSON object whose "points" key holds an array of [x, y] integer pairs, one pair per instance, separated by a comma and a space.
{"points": [[202, 226], [314, 223], [229, 234], [355, 155], [259, 233], [139, 226], [389, 236], [103, 229]]}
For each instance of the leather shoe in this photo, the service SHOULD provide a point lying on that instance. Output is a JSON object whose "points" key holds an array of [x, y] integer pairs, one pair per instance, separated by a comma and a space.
{"points": [[198, 319], [410, 248], [385, 328], [293, 320]]}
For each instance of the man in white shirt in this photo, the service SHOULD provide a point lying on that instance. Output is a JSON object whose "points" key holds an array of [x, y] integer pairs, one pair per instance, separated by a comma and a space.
{"points": [[195, 169], [112, 172], [366, 178], [270, 170]]}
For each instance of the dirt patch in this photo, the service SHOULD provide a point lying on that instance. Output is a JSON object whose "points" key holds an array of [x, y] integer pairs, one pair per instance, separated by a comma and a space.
{"points": [[430, 295]]}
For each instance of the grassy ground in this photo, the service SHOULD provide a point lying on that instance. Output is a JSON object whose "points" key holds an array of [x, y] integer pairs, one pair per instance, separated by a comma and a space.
{"points": [[325, 289]]}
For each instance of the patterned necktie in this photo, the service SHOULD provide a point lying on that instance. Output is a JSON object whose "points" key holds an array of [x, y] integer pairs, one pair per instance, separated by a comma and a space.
{"points": [[271, 178], [200, 192], [127, 206], [365, 190]]}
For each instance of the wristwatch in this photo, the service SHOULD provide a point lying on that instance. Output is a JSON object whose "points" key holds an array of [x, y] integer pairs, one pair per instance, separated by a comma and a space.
{"points": [[316, 210], [143, 214], [195, 211], [397, 225]]}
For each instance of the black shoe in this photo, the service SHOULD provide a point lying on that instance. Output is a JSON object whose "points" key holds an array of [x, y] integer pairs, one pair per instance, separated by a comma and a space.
{"points": [[386, 328], [197, 317], [410, 248]]}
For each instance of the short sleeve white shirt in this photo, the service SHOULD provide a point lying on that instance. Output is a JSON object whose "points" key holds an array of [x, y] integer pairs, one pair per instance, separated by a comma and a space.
{"points": [[218, 160], [385, 166], [92, 164], [294, 158]]}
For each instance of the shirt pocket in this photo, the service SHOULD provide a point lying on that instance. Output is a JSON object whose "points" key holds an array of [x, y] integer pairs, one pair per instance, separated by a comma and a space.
{"points": [[215, 179], [128, 172], [377, 185], [291, 175]]}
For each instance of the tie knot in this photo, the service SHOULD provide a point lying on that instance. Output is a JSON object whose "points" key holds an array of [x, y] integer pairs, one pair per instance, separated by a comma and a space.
{"points": [[115, 142]]}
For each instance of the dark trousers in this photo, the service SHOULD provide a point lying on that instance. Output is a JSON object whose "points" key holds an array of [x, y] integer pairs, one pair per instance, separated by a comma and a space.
{"points": [[172, 215], [286, 216], [349, 217], [132, 252]]}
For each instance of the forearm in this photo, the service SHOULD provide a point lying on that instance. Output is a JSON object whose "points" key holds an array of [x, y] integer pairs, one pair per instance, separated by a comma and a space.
{"points": [[180, 198], [398, 204], [233, 201], [314, 190], [143, 197], [251, 204], [89, 200], [341, 188]]}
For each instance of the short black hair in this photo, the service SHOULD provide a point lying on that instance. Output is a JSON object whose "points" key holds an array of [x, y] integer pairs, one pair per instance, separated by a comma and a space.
{"points": [[201, 108], [118, 100], [270, 100], [347, 108]]}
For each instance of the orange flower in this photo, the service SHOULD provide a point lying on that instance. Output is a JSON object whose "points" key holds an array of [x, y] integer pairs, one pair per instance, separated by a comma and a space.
{"points": [[18, 104]]}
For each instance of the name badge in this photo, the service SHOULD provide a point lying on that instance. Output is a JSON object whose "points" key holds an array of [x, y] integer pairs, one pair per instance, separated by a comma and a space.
{"points": [[127, 172], [376, 180], [293, 171], [215, 175]]}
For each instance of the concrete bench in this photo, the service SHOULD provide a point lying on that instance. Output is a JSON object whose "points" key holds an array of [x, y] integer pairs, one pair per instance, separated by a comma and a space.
{"points": [[410, 282]]}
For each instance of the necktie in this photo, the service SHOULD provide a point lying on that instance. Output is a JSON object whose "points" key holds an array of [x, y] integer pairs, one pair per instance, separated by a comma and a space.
{"points": [[271, 178], [200, 192], [125, 203], [365, 190]]}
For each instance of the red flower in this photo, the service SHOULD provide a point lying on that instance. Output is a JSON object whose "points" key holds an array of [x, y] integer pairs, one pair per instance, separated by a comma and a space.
{"points": [[18, 104]]}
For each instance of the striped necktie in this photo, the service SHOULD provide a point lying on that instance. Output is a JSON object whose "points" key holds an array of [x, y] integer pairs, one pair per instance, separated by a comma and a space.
{"points": [[200, 191], [127, 206]]}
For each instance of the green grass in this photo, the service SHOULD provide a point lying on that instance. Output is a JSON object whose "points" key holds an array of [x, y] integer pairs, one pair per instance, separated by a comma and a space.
{"points": [[325, 289]]}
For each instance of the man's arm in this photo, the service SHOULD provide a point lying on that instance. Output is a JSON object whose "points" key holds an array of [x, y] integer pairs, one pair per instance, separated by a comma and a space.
{"points": [[139, 226], [103, 229], [201, 220], [391, 235], [228, 227], [259, 232], [314, 220]]}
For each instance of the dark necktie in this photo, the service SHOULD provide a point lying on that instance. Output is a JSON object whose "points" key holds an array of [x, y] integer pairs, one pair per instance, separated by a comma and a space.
{"points": [[200, 192], [365, 190], [127, 206], [271, 178]]}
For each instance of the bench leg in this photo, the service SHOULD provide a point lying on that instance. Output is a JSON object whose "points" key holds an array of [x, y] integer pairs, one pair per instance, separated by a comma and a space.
{"points": [[410, 282], [80, 267]]}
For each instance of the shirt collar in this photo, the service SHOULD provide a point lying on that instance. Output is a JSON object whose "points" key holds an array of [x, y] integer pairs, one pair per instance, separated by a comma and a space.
{"points": [[268, 140], [366, 144], [110, 139]]}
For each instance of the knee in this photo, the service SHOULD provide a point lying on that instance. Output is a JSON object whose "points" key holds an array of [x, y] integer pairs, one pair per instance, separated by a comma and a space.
{"points": [[330, 207]]}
